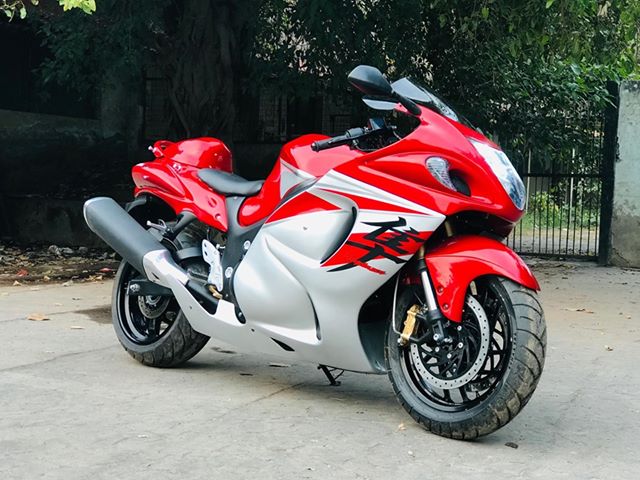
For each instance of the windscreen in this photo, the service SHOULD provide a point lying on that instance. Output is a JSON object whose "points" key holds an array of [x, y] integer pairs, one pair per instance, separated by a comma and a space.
{"points": [[426, 97]]}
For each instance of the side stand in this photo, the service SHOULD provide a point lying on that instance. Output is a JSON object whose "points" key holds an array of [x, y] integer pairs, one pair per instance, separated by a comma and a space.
{"points": [[333, 380]]}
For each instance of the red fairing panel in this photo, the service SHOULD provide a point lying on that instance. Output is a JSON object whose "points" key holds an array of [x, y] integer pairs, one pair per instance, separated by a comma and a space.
{"points": [[400, 169], [455, 263], [304, 203], [172, 177], [179, 186], [297, 155], [204, 152], [256, 208]]}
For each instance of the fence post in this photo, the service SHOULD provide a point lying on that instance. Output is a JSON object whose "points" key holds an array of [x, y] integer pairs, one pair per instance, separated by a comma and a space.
{"points": [[607, 164]]}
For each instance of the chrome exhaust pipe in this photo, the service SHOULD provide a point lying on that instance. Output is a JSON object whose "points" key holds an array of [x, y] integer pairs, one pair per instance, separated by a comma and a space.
{"points": [[139, 248]]}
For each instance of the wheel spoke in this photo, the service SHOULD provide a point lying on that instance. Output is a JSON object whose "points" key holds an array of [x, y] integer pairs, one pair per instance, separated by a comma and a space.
{"points": [[154, 327], [485, 330]]}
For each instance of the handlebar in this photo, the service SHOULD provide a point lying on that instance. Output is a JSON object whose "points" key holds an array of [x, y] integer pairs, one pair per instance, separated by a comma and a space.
{"points": [[351, 135]]}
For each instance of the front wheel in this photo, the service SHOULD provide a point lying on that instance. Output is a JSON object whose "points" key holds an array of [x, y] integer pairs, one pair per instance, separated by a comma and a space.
{"points": [[486, 373]]}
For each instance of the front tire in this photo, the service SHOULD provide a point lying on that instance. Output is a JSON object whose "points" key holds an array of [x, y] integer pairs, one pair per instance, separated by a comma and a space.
{"points": [[489, 379]]}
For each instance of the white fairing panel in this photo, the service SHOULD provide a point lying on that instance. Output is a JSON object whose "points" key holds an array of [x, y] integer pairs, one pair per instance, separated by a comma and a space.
{"points": [[291, 176], [308, 273]]}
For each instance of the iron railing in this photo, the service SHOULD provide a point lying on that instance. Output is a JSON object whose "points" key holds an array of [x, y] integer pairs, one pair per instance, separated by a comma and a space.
{"points": [[569, 191]]}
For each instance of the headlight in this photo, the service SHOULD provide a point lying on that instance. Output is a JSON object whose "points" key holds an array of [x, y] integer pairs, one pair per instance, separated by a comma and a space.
{"points": [[503, 169]]}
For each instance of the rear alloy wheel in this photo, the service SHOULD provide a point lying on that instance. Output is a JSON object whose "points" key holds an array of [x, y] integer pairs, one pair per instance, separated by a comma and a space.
{"points": [[152, 329], [484, 375]]}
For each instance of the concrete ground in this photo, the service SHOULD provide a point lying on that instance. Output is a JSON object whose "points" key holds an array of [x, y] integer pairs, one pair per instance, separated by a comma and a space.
{"points": [[73, 405]]}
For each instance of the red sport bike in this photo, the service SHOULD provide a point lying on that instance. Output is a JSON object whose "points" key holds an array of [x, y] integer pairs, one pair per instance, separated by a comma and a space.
{"points": [[373, 251]]}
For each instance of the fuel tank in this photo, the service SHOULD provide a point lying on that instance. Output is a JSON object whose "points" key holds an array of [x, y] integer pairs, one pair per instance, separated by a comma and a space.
{"points": [[296, 163]]}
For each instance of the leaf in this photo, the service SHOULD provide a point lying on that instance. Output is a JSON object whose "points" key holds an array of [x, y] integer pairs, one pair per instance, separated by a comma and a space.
{"points": [[87, 6], [38, 317], [549, 3], [23, 12], [485, 12]]}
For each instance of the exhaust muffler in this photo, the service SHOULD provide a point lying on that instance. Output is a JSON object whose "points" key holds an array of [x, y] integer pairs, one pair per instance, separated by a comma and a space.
{"points": [[120, 231], [139, 248]]}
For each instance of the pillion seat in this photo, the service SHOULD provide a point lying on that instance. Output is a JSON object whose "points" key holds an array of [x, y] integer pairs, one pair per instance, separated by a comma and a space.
{"points": [[229, 184]]}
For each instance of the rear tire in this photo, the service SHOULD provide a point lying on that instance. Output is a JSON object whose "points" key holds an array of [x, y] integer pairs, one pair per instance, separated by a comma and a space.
{"points": [[517, 369], [171, 347]]}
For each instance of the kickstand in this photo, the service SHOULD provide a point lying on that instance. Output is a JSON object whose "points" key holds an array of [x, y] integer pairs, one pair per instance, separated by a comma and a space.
{"points": [[333, 380]]}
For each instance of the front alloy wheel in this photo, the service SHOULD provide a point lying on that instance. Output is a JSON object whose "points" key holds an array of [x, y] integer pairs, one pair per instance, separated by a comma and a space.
{"points": [[484, 374]]}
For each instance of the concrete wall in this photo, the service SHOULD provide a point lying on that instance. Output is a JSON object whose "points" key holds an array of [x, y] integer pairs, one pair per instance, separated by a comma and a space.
{"points": [[48, 166], [625, 226]]}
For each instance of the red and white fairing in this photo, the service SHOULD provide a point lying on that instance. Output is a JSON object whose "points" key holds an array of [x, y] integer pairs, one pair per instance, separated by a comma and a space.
{"points": [[321, 254], [332, 227]]}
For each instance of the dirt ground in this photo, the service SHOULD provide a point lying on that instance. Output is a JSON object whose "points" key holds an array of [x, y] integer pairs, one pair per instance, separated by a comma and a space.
{"points": [[41, 264], [76, 406]]}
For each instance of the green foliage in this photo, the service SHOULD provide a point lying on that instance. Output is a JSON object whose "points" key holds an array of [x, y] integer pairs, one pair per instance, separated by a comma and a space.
{"points": [[557, 208], [108, 46], [516, 69], [87, 6], [12, 7]]}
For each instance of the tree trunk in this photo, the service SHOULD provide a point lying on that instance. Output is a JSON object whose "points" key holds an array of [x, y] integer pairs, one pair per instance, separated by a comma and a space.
{"points": [[205, 61]]}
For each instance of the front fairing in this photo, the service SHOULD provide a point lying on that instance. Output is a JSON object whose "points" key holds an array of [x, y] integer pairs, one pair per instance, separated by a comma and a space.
{"points": [[439, 136]]}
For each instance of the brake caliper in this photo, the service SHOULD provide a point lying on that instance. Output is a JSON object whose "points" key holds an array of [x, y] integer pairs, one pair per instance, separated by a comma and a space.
{"points": [[409, 325]]}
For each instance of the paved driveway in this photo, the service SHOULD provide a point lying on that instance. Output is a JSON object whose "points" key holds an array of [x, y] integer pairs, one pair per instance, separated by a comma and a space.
{"points": [[73, 405]]}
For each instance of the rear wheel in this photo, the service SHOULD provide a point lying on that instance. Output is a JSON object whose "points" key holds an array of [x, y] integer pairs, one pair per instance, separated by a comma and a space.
{"points": [[483, 377], [152, 328]]}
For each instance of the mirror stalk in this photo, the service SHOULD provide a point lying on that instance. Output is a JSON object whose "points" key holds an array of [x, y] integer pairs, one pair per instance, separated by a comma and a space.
{"points": [[407, 103]]}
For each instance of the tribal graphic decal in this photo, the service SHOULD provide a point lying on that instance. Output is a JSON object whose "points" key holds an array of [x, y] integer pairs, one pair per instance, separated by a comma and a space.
{"points": [[388, 241]]}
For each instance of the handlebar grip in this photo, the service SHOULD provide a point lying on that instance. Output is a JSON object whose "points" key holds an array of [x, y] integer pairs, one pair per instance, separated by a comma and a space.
{"points": [[320, 145], [330, 143], [348, 137]]}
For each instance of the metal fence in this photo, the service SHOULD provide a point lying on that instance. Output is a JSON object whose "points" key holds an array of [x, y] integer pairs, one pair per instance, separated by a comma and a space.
{"points": [[569, 191]]}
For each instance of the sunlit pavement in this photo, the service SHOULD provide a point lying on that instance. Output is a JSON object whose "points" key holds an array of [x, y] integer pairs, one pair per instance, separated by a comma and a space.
{"points": [[74, 405]]}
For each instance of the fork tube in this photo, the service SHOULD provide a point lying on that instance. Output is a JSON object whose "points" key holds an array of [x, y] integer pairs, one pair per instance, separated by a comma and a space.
{"points": [[428, 291], [432, 304]]}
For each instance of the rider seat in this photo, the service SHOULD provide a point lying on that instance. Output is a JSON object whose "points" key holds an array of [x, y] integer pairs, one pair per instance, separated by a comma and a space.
{"points": [[229, 184]]}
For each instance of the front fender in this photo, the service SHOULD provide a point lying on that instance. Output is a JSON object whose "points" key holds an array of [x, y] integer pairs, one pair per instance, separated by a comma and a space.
{"points": [[455, 263]]}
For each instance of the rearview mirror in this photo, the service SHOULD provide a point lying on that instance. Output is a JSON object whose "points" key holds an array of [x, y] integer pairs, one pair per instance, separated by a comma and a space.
{"points": [[370, 81]]}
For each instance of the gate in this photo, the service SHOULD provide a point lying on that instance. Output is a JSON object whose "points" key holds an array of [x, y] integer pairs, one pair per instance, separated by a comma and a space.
{"points": [[570, 191]]}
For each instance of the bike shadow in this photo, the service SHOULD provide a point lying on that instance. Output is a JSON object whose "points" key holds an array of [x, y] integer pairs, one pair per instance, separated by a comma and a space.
{"points": [[359, 396]]}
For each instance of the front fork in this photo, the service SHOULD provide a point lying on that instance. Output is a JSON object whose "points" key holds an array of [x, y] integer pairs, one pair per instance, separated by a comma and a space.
{"points": [[429, 314]]}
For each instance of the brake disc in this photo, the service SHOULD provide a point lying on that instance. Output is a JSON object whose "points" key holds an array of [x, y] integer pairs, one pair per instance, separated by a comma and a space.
{"points": [[457, 380], [153, 306]]}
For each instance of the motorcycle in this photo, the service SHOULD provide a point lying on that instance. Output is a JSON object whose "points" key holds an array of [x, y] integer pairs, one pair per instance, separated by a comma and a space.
{"points": [[376, 251]]}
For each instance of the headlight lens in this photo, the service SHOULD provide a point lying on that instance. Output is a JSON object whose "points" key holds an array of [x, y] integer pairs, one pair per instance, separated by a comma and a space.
{"points": [[503, 169]]}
